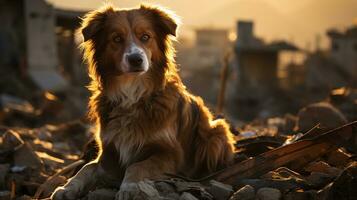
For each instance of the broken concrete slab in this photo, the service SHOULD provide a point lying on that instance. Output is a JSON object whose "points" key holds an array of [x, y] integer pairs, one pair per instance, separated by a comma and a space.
{"points": [[268, 194], [220, 191]]}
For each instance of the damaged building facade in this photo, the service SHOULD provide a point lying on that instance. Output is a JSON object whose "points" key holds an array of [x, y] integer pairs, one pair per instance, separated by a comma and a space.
{"points": [[335, 67], [257, 67], [37, 43]]}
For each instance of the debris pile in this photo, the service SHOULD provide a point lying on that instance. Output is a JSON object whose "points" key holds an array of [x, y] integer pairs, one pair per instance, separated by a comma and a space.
{"points": [[308, 156], [31, 157]]}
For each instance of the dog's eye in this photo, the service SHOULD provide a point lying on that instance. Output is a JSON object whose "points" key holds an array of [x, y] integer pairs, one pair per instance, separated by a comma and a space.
{"points": [[145, 38], [117, 39]]}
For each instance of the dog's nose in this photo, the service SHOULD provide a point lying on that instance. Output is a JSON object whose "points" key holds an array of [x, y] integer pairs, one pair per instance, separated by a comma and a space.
{"points": [[135, 60]]}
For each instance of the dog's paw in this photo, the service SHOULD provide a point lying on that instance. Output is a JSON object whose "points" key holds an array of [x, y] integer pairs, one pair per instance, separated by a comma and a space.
{"points": [[70, 192]]}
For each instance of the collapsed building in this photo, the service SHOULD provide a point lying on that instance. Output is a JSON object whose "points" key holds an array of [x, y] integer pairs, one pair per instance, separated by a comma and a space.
{"points": [[257, 64], [38, 43]]}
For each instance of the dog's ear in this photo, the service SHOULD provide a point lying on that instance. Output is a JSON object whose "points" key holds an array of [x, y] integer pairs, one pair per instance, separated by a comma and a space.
{"points": [[166, 20], [93, 22]]}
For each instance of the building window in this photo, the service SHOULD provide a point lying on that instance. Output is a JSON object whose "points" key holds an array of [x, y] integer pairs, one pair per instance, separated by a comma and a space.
{"points": [[335, 47]]}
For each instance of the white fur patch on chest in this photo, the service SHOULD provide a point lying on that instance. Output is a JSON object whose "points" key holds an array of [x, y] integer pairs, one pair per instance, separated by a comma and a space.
{"points": [[127, 92]]}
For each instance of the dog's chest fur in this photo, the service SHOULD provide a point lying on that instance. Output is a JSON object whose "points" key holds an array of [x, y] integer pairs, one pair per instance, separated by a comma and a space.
{"points": [[127, 136]]}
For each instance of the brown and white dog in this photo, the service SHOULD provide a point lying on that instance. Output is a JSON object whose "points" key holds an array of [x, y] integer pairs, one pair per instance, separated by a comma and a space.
{"points": [[148, 123]]}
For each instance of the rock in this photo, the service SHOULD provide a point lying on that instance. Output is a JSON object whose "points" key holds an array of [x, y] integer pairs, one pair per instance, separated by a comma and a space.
{"points": [[25, 156], [102, 194], [318, 179], [338, 158], [301, 195], [324, 113], [282, 184], [245, 193], [323, 167], [220, 191], [345, 186], [187, 196], [268, 194], [148, 190], [11, 140], [164, 188], [193, 188], [5, 195]]}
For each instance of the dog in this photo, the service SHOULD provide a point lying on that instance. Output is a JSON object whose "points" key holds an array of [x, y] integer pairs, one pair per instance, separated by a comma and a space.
{"points": [[148, 124]]}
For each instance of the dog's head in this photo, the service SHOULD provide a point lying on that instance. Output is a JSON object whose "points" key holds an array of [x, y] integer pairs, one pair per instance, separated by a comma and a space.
{"points": [[126, 42]]}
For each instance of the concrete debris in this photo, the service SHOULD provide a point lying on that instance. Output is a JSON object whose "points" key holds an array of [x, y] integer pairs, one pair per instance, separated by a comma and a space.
{"points": [[268, 194], [285, 157], [219, 190], [301, 195], [344, 187], [318, 179], [323, 167], [321, 113]]}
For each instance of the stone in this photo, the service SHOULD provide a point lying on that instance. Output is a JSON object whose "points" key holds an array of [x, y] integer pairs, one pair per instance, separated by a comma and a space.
{"points": [[11, 140], [25, 156], [245, 193], [187, 196], [301, 195], [338, 158], [321, 113], [147, 188], [220, 191], [323, 167], [319, 179], [345, 186], [102, 194], [268, 194], [164, 188]]}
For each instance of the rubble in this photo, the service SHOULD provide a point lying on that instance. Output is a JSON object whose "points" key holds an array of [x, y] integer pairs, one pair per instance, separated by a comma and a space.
{"points": [[289, 157], [321, 113], [268, 194], [245, 193], [219, 190]]}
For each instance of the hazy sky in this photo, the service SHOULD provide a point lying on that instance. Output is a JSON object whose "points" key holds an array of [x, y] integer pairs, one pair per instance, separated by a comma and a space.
{"points": [[299, 21]]}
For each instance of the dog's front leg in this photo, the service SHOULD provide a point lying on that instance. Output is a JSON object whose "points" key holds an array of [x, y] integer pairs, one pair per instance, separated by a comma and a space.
{"points": [[79, 184], [152, 168]]}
